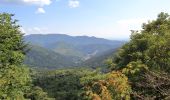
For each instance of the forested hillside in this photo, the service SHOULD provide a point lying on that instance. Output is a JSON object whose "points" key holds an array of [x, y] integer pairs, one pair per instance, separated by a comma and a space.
{"points": [[60, 51], [40, 57], [139, 70], [100, 60]]}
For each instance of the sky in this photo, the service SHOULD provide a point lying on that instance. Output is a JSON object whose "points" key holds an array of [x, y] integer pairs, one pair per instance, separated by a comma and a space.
{"points": [[110, 19]]}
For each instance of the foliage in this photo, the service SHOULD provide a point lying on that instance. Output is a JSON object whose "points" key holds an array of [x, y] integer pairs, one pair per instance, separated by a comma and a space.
{"points": [[114, 86], [14, 78], [79, 84], [109, 64], [134, 68], [62, 84], [41, 57], [145, 57], [92, 77], [11, 43], [99, 60], [14, 82], [152, 86], [36, 93], [151, 46]]}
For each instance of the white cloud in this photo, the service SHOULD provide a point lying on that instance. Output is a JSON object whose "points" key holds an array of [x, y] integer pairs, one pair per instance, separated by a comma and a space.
{"points": [[39, 3], [74, 3], [34, 30], [27, 2], [37, 30], [40, 11]]}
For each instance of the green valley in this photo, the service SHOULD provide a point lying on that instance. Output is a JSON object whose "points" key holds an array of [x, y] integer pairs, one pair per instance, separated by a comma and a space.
{"points": [[63, 67]]}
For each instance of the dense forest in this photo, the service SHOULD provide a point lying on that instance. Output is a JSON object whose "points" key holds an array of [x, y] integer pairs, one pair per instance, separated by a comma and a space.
{"points": [[139, 70]]}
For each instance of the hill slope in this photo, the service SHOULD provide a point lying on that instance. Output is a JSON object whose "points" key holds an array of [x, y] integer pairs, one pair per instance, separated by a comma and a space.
{"points": [[44, 58], [59, 50], [99, 60]]}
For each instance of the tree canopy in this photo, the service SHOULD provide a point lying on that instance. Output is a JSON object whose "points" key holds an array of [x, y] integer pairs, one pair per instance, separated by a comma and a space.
{"points": [[146, 59], [151, 46], [14, 77]]}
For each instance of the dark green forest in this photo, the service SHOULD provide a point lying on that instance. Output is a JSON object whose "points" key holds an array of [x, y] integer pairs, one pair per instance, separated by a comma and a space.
{"points": [[136, 70]]}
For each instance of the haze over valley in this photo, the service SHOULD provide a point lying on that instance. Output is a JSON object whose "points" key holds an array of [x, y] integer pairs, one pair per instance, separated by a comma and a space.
{"points": [[60, 50]]}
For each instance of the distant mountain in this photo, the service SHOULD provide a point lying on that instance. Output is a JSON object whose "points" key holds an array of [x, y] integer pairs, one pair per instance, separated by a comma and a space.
{"points": [[45, 40], [60, 50]]}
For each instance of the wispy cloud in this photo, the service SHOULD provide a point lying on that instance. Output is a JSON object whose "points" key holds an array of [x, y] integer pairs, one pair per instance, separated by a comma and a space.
{"points": [[38, 2], [40, 11], [38, 30], [74, 3], [35, 30]]}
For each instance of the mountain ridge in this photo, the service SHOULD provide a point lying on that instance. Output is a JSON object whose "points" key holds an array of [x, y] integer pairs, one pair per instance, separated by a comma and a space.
{"points": [[77, 48]]}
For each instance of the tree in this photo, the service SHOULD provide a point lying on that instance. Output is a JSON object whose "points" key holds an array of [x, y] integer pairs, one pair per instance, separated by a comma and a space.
{"points": [[36, 93], [110, 86], [151, 46], [14, 77], [145, 57]]}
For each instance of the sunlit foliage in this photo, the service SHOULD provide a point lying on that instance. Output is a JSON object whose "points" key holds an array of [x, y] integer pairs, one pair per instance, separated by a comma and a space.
{"points": [[14, 78], [114, 86], [145, 57]]}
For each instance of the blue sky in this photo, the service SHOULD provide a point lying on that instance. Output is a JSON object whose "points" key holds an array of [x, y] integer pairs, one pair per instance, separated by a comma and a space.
{"points": [[111, 19]]}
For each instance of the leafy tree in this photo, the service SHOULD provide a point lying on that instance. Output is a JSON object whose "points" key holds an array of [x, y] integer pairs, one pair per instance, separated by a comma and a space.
{"points": [[63, 84], [110, 86], [151, 46], [14, 77], [36, 93], [145, 57]]}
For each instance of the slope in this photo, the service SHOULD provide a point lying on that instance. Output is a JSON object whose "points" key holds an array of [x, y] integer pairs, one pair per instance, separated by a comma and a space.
{"points": [[44, 58]]}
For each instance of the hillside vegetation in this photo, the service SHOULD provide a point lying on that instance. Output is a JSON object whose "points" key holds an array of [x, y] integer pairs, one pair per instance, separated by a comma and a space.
{"points": [[139, 70], [61, 51], [43, 58]]}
